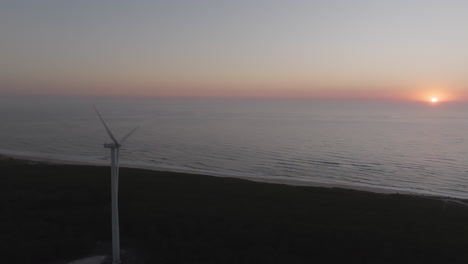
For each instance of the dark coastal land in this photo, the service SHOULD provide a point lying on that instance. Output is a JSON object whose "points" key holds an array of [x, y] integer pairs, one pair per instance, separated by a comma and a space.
{"points": [[52, 213]]}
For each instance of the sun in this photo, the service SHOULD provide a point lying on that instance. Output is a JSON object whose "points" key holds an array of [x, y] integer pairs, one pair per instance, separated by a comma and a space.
{"points": [[434, 99]]}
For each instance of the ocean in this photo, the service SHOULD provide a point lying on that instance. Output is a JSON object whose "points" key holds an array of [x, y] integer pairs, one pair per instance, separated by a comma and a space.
{"points": [[415, 147]]}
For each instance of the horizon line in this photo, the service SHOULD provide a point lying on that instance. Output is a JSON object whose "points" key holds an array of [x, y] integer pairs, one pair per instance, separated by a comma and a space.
{"points": [[275, 98]]}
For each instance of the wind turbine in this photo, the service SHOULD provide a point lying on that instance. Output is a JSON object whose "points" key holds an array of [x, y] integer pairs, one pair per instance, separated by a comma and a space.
{"points": [[115, 151]]}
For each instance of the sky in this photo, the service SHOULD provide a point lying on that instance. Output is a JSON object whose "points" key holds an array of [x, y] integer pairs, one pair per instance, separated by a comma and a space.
{"points": [[366, 49]]}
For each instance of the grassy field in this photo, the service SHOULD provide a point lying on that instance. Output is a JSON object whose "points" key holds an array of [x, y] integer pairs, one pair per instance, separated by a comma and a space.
{"points": [[53, 213]]}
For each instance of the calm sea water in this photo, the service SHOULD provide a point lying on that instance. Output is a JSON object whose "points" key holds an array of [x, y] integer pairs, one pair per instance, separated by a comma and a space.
{"points": [[415, 147]]}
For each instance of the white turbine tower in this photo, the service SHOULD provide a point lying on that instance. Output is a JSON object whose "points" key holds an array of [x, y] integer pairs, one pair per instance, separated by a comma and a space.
{"points": [[115, 149]]}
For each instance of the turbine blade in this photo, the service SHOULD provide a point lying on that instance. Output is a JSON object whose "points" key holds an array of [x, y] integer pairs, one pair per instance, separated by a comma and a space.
{"points": [[124, 138], [107, 128]]}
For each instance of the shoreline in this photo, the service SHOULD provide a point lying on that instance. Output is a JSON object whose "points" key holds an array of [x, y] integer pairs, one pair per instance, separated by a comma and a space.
{"points": [[172, 217], [261, 179]]}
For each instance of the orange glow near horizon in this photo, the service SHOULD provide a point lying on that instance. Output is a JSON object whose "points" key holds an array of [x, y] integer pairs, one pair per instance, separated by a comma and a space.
{"points": [[415, 92], [437, 92]]}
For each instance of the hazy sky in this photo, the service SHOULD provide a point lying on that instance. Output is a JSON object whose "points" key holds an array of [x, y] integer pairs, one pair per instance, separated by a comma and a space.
{"points": [[407, 49]]}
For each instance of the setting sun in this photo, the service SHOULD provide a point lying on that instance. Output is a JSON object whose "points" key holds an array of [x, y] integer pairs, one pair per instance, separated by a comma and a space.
{"points": [[434, 99]]}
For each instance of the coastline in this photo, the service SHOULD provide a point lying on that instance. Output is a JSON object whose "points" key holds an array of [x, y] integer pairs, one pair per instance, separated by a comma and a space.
{"points": [[261, 179], [173, 217]]}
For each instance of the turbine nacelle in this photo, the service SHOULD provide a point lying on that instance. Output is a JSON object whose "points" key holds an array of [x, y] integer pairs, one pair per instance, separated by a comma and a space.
{"points": [[111, 145]]}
